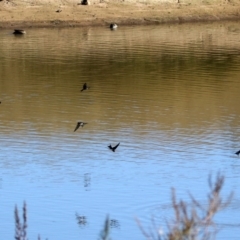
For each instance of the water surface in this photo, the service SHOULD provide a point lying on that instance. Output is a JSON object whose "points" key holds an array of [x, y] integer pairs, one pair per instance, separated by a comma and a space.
{"points": [[169, 94]]}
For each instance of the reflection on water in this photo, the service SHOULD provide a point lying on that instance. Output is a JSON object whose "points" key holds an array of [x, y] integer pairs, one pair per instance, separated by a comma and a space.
{"points": [[84, 222], [114, 223], [81, 220], [87, 181], [168, 93]]}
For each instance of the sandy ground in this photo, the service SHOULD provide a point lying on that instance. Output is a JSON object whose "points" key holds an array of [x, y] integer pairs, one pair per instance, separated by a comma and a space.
{"points": [[34, 13]]}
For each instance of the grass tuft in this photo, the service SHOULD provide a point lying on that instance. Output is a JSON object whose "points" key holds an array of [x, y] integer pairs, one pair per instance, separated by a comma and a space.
{"points": [[104, 235], [21, 228], [193, 221]]}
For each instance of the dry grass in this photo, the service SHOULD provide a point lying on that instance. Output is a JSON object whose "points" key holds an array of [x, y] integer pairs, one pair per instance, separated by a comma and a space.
{"points": [[193, 221], [104, 234], [21, 228]]}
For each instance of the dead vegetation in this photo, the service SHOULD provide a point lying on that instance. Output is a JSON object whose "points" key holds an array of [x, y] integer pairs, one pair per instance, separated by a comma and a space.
{"points": [[192, 221], [21, 228]]}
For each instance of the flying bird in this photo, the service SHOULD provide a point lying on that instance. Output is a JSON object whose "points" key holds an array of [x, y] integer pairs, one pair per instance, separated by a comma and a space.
{"points": [[79, 124], [85, 87], [238, 152], [113, 148]]}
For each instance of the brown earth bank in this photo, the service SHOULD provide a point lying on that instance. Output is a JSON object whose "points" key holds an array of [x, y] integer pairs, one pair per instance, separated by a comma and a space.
{"points": [[70, 13]]}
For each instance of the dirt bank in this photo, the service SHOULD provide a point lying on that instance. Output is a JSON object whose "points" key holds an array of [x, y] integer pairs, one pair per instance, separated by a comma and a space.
{"points": [[34, 13]]}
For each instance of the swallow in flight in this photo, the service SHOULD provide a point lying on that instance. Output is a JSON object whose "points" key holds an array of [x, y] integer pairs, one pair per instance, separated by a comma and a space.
{"points": [[238, 152], [85, 87], [113, 148], [79, 124]]}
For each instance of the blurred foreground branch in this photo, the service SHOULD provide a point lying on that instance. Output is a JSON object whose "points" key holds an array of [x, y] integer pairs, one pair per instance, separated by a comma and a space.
{"points": [[21, 228], [193, 221]]}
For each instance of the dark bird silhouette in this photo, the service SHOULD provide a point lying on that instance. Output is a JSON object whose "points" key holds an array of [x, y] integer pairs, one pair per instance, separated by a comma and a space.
{"points": [[238, 152], [79, 124], [84, 2], [113, 148], [85, 87], [19, 31]]}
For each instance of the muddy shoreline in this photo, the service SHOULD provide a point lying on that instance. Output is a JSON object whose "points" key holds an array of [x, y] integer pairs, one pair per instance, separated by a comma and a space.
{"points": [[70, 14]]}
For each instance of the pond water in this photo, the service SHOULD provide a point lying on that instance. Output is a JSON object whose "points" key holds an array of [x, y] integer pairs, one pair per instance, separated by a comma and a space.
{"points": [[169, 94]]}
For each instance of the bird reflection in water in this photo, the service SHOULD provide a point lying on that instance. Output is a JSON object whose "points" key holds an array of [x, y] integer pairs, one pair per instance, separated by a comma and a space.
{"points": [[114, 223], [81, 220], [87, 181]]}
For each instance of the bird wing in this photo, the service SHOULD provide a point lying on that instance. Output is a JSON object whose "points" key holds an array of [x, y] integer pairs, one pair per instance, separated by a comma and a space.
{"points": [[116, 146], [76, 128], [84, 87]]}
